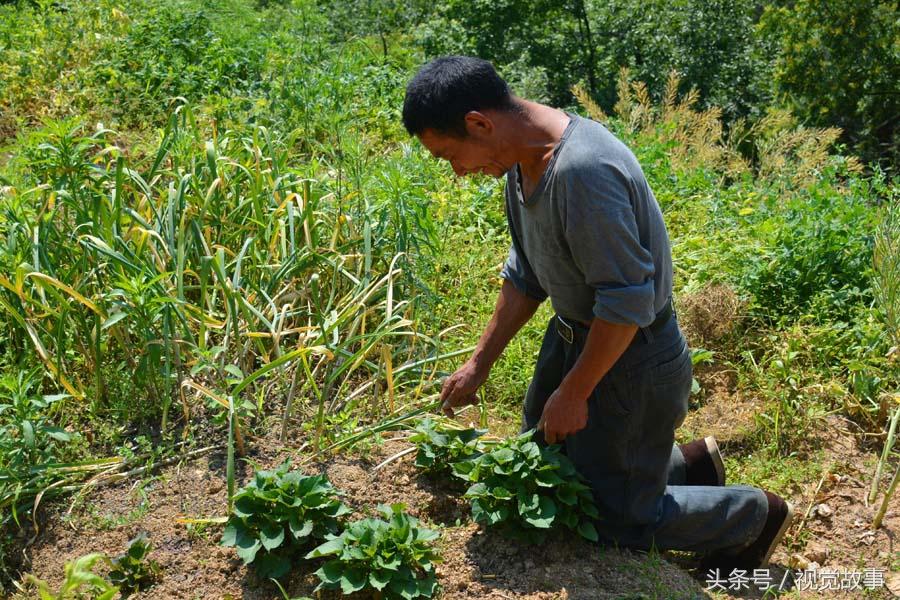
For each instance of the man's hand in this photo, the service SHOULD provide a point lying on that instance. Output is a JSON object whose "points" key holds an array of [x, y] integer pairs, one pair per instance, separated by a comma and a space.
{"points": [[459, 389], [564, 413]]}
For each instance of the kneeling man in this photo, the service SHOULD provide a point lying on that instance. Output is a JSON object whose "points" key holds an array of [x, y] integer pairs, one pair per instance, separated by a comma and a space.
{"points": [[614, 372]]}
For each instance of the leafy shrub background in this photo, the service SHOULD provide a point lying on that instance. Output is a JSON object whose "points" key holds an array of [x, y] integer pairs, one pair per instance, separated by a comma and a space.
{"points": [[178, 49], [818, 259], [836, 62]]}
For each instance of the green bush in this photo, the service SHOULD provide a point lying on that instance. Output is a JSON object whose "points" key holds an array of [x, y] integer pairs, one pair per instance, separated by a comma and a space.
{"points": [[394, 557], [525, 489], [816, 257], [175, 49], [279, 513], [526, 40], [711, 44]]}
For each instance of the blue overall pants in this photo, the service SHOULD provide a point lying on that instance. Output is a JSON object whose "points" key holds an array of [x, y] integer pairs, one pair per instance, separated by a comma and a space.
{"points": [[627, 451]]}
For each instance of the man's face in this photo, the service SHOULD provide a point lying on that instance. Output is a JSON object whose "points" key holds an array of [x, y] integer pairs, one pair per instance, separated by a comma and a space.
{"points": [[466, 155]]}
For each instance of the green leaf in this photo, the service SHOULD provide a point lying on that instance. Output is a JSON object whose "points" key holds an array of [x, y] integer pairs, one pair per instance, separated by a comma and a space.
{"points": [[245, 506], [545, 514], [300, 529], [588, 531], [272, 565], [330, 572], [503, 455], [271, 536], [247, 547], [589, 508], [234, 370], [328, 548], [238, 536], [353, 580], [229, 535], [528, 502], [379, 579], [427, 585], [567, 495], [406, 588], [57, 434], [28, 433]]}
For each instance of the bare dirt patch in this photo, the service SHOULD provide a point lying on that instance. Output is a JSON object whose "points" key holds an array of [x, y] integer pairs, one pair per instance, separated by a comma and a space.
{"points": [[720, 409]]}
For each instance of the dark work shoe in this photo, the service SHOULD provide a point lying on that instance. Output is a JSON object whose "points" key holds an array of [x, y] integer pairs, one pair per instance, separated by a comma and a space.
{"points": [[703, 462], [758, 553]]}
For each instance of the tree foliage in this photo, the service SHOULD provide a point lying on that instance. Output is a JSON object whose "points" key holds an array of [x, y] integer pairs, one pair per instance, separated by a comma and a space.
{"points": [[838, 65]]}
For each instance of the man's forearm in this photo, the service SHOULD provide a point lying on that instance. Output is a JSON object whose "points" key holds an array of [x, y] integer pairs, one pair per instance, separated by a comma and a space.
{"points": [[512, 311], [606, 342]]}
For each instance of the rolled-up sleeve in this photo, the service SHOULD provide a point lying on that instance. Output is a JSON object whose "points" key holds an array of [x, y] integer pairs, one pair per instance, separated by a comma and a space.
{"points": [[517, 271], [602, 233]]}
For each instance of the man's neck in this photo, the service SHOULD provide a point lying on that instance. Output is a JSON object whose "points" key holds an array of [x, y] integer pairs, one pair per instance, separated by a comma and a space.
{"points": [[534, 134]]}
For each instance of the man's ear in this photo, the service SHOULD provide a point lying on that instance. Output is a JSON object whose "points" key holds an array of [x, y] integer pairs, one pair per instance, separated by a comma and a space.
{"points": [[478, 124]]}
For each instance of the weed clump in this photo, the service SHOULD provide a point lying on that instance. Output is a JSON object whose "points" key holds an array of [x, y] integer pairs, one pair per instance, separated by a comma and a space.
{"points": [[709, 315]]}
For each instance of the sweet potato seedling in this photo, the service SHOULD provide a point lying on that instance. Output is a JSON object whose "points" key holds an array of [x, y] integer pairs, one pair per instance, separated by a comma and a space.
{"points": [[525, 489], [279, 513], [392, 557], [439, 446]]}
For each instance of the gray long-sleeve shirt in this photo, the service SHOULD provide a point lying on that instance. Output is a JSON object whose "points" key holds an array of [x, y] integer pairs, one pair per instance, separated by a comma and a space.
{"points": [[591, 235]]}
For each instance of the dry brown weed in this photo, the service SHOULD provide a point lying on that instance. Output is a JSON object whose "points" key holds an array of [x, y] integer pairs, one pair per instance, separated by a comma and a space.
{"points": [[709, 315]]}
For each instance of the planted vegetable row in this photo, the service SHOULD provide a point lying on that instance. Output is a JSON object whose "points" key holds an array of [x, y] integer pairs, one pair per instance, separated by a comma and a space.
{"points": [[516, 486]]}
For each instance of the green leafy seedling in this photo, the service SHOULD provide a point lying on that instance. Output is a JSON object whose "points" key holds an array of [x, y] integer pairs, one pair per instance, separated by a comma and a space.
{"points": [[524, 490], [279, 513], [393, 558], [80, 581], [438, 446], [133, 571]]}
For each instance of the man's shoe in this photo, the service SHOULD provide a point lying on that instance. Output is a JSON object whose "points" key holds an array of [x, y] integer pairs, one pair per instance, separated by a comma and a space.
{"points": [[703, 462], [757, 554]]}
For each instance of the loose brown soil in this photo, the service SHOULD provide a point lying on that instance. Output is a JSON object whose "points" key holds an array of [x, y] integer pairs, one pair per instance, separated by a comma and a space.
{"points": [[477, 564]]}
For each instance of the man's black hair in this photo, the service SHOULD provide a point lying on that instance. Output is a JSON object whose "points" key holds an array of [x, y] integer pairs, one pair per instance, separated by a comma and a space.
{"points": [[444, 90]]}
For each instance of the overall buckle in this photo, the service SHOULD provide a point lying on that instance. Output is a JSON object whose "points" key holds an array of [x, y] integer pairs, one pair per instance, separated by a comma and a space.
{"points": [[564, 330]]}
